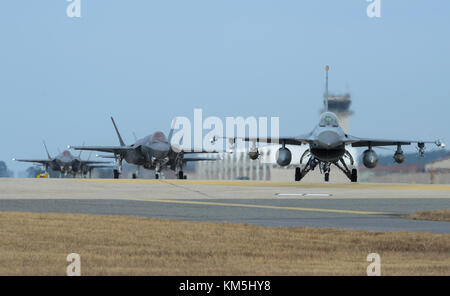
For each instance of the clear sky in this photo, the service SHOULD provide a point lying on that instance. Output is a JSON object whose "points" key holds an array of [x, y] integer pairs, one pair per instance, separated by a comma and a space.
{"points": [[146, 61]]}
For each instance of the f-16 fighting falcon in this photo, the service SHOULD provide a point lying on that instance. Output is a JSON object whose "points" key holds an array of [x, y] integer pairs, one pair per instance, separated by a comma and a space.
{"points": [[66, 164], [153, 152], [327, 146]]}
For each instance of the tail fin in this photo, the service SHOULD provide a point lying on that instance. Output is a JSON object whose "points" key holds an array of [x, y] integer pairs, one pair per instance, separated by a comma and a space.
{"points": [[79, 155], [46, 150], [325, 99], [122, 143], [171, 130]]}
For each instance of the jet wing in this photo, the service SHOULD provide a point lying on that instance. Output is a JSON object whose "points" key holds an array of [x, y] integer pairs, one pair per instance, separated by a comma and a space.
{"points": [[106, 156], [100, 166], [40, 161], [178, 148], [193, 158], [91, 162], [109, 149], [286, 140], [366, 142], [198, 152]]}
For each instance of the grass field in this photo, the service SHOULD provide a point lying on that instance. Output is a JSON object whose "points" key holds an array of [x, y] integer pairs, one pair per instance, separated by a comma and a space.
{"points": [[38, 244], [437, 215]]}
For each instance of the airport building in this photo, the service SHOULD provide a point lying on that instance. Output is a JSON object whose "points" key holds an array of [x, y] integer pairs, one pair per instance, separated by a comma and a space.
{"points": [[439, 171], [235, 165]]}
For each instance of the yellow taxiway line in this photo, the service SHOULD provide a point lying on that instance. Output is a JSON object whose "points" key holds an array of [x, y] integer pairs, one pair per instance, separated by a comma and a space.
{"points": [[208, 203], [277, 184]]}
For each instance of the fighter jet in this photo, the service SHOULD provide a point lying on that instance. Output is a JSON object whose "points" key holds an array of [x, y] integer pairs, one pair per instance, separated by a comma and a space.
{"points": [[66, 164], [328, 145], [153, 152]]}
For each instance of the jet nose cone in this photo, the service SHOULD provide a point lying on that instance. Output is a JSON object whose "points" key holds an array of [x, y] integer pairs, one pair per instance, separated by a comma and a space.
{"points": [[160, 149], [328, 139]]}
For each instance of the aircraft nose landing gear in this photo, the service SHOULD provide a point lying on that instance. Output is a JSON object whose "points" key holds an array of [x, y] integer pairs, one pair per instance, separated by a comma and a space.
{"points": [[325, 169]]}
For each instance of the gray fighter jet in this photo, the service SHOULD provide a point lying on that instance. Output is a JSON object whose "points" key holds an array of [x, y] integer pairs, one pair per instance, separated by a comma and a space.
{"points": [[66, 164], [327, 146], [153, 152]]}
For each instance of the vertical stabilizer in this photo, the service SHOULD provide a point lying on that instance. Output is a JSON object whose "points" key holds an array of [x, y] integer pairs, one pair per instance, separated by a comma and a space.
{"points": [[122, 143], [172, 128], [79, 155], [326, 95], [46, 150]]}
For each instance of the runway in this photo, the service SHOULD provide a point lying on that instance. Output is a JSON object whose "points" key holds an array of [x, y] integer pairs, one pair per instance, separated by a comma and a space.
{"points": [[330, 205]]}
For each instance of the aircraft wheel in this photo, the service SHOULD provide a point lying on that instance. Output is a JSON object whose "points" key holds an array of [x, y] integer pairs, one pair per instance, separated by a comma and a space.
{"points": [[185, 177], [354, 177], [298, 174], [157, 176], [116, 174], [134, 176], [327, 177], [180, 175]]}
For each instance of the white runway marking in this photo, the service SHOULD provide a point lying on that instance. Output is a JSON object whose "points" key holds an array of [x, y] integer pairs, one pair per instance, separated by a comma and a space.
{"points": [[305, 194]]}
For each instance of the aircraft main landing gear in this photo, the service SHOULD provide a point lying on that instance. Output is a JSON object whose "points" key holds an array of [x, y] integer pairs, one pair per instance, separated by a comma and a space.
{"points": [[117, 172], [136, 175], [298, 174], [307, 163], [354, 176]]}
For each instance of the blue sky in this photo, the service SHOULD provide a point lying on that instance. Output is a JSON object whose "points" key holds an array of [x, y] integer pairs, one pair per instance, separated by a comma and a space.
{"points": [[147, 61]]}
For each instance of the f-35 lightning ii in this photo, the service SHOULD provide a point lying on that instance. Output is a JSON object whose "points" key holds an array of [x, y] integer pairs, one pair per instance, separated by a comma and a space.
{"points": [[66, 164], [153, 152]]}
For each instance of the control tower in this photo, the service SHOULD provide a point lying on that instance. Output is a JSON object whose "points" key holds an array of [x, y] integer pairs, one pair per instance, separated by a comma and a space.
{"points": [[340, 105]]}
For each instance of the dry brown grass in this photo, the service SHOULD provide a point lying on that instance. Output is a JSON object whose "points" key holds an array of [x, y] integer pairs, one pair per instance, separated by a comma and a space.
{"points": [[437, 215], [37, 244]]}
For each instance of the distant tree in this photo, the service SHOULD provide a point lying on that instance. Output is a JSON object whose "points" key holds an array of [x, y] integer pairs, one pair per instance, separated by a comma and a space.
{"points": [[33, 171], [3, 169], [4, 172], [414, 158]]}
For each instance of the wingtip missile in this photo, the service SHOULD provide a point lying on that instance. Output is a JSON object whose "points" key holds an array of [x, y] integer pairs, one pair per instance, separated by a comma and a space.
{"points": [[439, 143], [213, 140]]}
